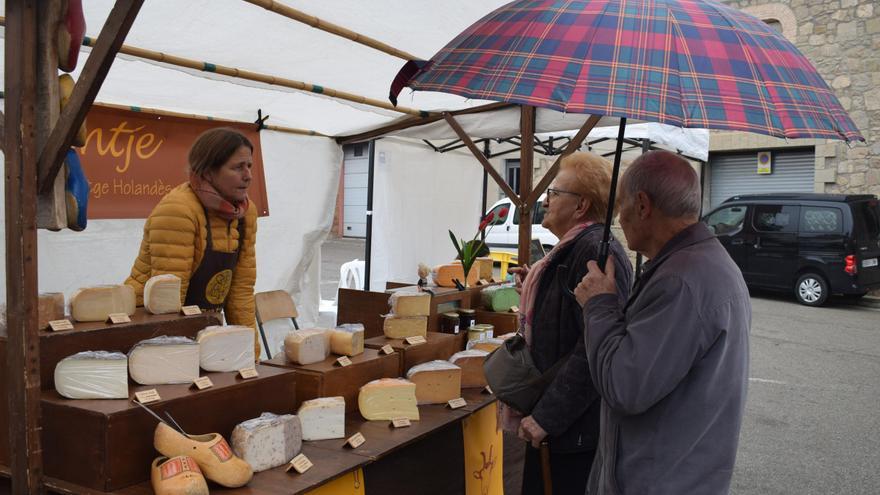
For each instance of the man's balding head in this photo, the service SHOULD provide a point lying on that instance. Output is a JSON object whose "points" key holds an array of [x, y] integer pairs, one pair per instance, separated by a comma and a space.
{"points": [[668, 180]]}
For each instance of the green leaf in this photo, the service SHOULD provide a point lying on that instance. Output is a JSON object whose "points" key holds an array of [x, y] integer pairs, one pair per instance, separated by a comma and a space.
{"points": [[455, 243]]}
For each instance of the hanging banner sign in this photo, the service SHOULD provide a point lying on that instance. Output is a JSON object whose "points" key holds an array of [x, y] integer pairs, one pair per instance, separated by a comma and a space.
{"points": [[133, 159]]}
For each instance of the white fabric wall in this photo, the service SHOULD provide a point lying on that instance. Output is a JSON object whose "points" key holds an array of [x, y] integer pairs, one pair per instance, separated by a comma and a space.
{"points": [[418, 196]]}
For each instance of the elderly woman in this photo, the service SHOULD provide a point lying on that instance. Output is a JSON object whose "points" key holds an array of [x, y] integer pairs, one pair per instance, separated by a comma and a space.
{"points": [[204, 231], [567, 415]]}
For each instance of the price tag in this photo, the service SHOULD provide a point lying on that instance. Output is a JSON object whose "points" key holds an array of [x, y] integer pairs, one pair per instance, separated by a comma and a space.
{"points": [[191, 310], [147, 396], [487, 390], [456, 403], [514, 309], [57, 325], [203, 383], [343, 361], [400, 422], [300, 463], [416, 340], [387, 349], [356, 440], [117, 318], [483, 281], [246, 373]]}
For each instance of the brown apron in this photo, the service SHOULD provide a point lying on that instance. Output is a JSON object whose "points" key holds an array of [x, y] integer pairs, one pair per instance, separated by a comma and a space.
{"points": [[210, 284]]}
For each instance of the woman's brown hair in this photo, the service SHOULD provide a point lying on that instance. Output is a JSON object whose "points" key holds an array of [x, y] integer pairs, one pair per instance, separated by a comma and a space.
{"points": [[213, 147]]}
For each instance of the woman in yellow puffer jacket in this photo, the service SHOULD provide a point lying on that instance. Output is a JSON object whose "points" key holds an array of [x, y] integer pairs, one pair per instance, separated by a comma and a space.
{"points": [[204, 231]]}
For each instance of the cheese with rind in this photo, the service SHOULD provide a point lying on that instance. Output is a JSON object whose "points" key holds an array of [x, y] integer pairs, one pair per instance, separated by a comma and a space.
{"points": [[268, 441], [164, 360], [323, 418], [347, 339], [97, 303], [487, 345], [162, 294], [471, 364], [499, 298], [226, 347], [307, 346], [437, 382], [387, 399], [396, 327], [410, 303], [50, 307], [444, 274], [93, 375]]}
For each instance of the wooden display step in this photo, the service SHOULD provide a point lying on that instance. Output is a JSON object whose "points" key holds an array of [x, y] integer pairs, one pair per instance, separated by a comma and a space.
{"points": [[439, 346], [108, 444], [328, 379]]}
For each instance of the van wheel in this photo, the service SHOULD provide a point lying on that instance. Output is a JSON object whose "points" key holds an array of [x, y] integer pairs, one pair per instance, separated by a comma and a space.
{"points": [[811, 290]]}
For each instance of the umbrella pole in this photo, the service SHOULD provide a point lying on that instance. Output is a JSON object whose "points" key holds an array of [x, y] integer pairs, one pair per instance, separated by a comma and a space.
{"points": [[612, 196]]}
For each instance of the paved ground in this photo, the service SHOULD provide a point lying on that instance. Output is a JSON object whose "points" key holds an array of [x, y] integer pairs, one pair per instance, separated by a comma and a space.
{"points": [[812, 423]]}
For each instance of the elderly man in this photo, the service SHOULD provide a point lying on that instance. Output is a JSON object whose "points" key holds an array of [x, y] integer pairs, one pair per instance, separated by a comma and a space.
{"points": [[671, 365]]}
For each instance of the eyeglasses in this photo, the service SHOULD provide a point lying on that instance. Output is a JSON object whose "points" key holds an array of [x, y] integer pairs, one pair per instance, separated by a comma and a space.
{"points": [[551, 192]]}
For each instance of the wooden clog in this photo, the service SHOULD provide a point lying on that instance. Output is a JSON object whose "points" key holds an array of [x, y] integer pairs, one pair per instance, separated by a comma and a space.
{"points": [[210, 451], [177, 476]]}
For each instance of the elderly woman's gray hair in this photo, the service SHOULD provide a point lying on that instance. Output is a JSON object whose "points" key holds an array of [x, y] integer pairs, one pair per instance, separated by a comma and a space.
{"points": [[668, 180]]}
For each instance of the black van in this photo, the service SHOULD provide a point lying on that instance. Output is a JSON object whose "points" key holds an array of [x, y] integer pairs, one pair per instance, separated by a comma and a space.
{"points": [[813, 244]]}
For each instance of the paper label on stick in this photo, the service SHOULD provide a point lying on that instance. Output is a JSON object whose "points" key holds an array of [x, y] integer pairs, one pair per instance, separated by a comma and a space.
{"points": [[117, 318], [343, 361], [457, 403], [483, 281], [246, 373], [203, 383], [400, 422], [356, 440], [416, 340], [300, 463], [191, 310], [148, 396], [514, 309], [57, 325], [487, 390], [387, 349]]}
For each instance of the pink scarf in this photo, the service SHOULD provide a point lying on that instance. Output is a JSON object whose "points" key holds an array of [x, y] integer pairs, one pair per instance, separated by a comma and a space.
{"points": [[214, 202], [509, 417]]}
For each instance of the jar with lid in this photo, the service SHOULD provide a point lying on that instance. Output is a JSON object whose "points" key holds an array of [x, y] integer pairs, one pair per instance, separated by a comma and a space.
{"points": [[466, 317], [449, 323]]}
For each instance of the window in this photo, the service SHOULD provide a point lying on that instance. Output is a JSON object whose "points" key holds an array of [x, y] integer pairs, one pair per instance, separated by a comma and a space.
{"points": [[537, 214], [776, 218], [867, 214], [726, 221], [818, 220], [511, 174], [498, 220]]}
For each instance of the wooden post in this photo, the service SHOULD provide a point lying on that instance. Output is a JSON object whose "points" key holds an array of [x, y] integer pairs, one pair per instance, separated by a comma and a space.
{"points": [[23, 353], [526, 159]]}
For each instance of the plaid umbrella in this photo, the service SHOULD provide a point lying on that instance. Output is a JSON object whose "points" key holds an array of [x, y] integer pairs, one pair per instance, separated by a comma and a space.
{"points": [[687, 63]]}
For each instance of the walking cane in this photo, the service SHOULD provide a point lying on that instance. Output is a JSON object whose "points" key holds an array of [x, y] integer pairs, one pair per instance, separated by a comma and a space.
{"points": [[545, 468]]}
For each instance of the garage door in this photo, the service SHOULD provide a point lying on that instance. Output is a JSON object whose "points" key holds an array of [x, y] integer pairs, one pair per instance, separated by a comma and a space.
{"points": [[732, 174], [354, 199]]}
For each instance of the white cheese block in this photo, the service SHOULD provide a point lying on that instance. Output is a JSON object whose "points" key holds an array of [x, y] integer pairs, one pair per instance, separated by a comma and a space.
{"points": [[268, 441], [307, 346], [226, 348], [323, 418], [471, 364], [347, 339], [410, 303], [388, 398], [402, 327], [97, 303], [164, 360], [93, 375], [162, 294], [437, 382]]}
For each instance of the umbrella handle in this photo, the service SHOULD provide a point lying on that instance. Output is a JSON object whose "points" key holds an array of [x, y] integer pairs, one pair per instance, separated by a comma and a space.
{"points": [[545, 468]]}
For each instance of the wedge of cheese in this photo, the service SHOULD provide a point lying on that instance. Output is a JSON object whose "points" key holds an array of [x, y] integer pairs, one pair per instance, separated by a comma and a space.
{"points": [[485, 266], [437, 382], [410, 303], [162, 294], [307, 346], [499, 298], [164, 360], [347, 339], [387, 399], [50, 307], [93, 375], [444, 274], [97, 303], [471, 364], [323, 418], [268, 441], [487, 345], [226, 348], [396, 327]]}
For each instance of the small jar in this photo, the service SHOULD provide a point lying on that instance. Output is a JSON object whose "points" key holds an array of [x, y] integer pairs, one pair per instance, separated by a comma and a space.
{"points": [[480, 331], [449, 323], [466, 317]]}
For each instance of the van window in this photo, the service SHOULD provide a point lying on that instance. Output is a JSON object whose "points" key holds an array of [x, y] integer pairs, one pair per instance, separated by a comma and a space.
{"points": [[776, 218], [867, 217], [498, 220], [819, 220], [726, 221], [537, 214]]}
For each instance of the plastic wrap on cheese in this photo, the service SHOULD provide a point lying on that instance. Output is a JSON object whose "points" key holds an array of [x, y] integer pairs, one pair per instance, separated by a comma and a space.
{"points": [[471, 363], [499, 298], [323, 418], [226, 347], [436, 381], [98, 303], [164, 360], [347, 339], [388, 398], [307, 346], [268, 441], [487, 345], [162, 294], [93, 375]]}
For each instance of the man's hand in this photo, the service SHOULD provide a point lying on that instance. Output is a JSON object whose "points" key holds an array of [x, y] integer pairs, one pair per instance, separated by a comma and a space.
{"points": [[519, 274], [595, 282], [531, 431]]}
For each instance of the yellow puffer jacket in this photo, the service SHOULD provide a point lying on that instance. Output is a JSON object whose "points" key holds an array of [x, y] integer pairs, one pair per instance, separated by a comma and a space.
{"points": [[174, 241]]}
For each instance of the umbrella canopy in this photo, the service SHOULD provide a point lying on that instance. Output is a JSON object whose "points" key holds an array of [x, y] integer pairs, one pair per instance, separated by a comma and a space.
{"points": [[686, 63]]}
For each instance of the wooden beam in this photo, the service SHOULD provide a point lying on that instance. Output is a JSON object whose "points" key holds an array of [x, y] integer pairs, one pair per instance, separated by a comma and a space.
{"points": [[526, 161], [482, 159], [93, 74], [573, 145], [331, 28], [23, 347], [51, 205], [2, 132]]}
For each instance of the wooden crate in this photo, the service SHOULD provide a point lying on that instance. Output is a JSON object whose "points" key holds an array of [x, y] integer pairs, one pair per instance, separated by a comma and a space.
{"points": [[503, 322], [439, 346]]}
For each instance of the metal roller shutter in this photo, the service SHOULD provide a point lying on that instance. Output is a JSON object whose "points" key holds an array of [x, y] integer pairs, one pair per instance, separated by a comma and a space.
{"points": [[732, 174]]}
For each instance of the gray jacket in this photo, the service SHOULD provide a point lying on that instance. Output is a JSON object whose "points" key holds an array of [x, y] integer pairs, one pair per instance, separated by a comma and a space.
{"points": [[672, 370]]}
